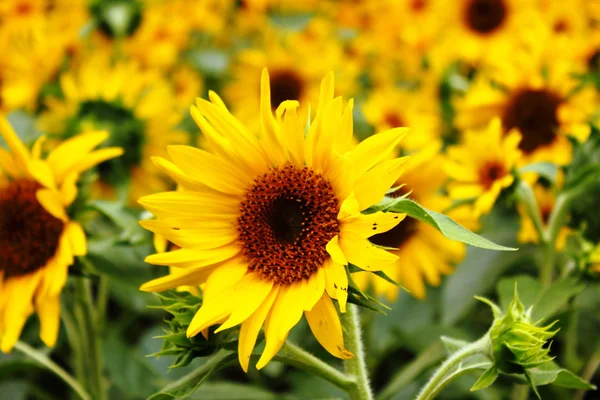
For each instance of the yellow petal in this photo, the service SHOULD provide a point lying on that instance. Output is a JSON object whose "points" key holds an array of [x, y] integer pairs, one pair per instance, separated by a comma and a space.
{"points": [[8, 164], [73, 151], [52, 202], [325, 324], [42, 173], [371, 187], [77, 238], [375, 148], [95, 158], [212, 312], [287, 310], [48, 310], [315, 288], [190, 277], [364, 254], [248, 296], [336, 282], [225, 276], [251, 328], [209, 169], [335, 251], [367, 225], [194, 258]]}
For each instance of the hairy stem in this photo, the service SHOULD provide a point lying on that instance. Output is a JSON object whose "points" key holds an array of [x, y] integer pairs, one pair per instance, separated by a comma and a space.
{"points": [[355, 367], [438, 381]]}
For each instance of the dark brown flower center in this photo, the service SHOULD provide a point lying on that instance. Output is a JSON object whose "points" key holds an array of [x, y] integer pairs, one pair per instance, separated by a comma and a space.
{"points": [[286, 220], [29, 235], [485, 16], [535, 114], [418, 5], [491, 172], [398, 235], [285, 85], [394, 120]]}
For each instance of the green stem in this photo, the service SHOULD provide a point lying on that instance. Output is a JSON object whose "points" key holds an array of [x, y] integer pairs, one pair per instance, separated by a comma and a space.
{"points": [[52, 366], [102, 303], [438, 381], [91, 338], [355, 367], [555, 223], [75, 344], [527, 199], [297, 357]]}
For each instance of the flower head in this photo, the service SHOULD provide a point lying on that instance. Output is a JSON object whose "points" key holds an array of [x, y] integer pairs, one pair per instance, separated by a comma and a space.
{"points": [[37, 237], [482, 165], [269, 220]]}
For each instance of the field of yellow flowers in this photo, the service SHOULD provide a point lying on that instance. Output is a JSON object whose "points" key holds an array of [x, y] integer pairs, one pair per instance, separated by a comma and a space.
{"points": [[316, 199]]}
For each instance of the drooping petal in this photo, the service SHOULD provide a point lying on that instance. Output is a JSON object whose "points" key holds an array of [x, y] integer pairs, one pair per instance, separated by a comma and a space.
{"points": [[48, 310], [325, 324]]}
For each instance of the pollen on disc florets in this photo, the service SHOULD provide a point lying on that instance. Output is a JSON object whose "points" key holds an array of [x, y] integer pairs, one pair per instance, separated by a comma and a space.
{"points": [[286, 220], [29, 235]]}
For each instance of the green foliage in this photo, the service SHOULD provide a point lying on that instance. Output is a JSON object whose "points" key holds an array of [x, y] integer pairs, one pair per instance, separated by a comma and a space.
{"points": [[448, 227]]}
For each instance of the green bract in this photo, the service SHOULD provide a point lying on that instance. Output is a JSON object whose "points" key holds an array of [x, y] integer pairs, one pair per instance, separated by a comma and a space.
{"points": [[517, 342]]}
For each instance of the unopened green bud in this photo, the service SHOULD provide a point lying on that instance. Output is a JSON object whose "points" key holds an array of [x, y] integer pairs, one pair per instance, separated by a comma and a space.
{"points": [[518, 343]]}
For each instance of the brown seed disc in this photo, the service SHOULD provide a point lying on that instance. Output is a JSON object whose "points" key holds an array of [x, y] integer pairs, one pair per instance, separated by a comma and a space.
{"points": [[29, 235], [286, 220]]}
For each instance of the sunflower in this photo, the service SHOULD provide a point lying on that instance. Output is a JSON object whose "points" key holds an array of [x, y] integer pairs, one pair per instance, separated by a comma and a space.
{"points": [[485, 29], [481, 166], [390, 107], [424, 254], [294, 75], [137, 107], [544, 101], [33, 54], [37, 238], [269, 221]]}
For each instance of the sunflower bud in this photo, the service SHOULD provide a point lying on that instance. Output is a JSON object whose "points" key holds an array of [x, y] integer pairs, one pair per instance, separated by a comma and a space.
{"points": [[517, 342]]}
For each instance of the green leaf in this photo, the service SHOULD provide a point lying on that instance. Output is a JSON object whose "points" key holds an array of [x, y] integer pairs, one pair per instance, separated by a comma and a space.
{"points": [[448, 227], [353, 268], [551, 373], [486, 379], [118, 215], [546, 169], [546, 302], [187, 385]]}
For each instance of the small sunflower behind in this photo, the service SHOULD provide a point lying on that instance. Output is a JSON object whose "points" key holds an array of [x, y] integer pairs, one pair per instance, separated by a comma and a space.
{"points": [[485, 29], [295, 75], [481, 166], [544, 101], [424, 254], [37, 237], [269, 219], [391, 107], [137, 107]]}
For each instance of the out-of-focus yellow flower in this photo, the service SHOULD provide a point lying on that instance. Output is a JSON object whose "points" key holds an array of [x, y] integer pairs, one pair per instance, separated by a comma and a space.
{"points": [[137, 107], [424, 254], [37, 238], [391, 107], [479, 30], [481, 166], [538, 99], [294, 70]]}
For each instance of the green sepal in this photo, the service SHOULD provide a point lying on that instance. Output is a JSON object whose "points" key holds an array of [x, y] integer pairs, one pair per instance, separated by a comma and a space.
{"points": [[485, 380]]}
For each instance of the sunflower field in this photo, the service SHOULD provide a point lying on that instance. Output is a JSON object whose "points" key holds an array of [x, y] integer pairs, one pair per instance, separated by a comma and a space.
{"points": [[311, 199]]}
